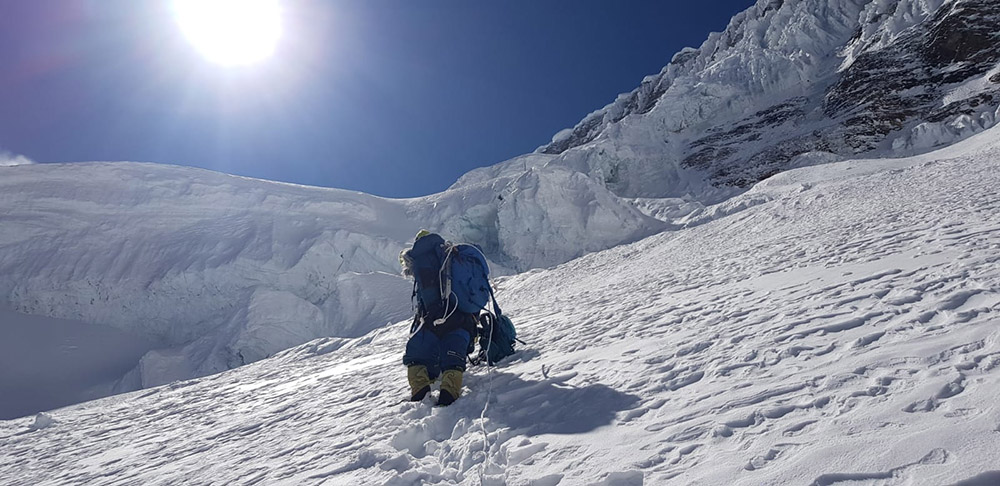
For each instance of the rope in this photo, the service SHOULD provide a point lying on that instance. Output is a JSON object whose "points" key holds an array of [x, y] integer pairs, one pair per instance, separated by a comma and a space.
{"points": [[444, 285], [419, 327], [487, 459], [486, 406], [447, 314], [489, 373]]}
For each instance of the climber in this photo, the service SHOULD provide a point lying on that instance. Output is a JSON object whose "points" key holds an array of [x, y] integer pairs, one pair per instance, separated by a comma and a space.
{"points": [[442, 329]]}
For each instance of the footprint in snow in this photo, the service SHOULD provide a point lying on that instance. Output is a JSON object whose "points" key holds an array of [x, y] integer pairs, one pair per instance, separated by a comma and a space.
{"points": [[931, 404], [935, 457], [761, 461]]}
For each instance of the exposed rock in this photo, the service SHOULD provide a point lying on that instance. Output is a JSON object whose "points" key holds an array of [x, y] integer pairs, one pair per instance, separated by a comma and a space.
{"points": [[792, 77]]}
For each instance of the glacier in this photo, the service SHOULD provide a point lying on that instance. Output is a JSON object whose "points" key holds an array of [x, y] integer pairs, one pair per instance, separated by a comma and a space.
{"points": [[853, 78], [773, 262], [835, 325], [217, 271]]}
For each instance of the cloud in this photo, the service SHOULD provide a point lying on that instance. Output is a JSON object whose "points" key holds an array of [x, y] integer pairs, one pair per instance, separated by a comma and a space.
{"points": [[9, 159]]}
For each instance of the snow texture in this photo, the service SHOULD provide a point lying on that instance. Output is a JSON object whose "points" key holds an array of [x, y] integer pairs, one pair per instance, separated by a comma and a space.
{"points": [[836, 325], [218, 271]]}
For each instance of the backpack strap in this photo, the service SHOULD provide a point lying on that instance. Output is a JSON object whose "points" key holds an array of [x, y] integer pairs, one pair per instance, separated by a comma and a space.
{"points": [[444, 284], [496, 307], [413, 297], [498, 313], [444, 274]]}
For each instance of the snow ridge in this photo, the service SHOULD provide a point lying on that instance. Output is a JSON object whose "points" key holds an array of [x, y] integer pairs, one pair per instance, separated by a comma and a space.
{"points": [[841, 330], [773, 47], [219, 271], [794, 77]]}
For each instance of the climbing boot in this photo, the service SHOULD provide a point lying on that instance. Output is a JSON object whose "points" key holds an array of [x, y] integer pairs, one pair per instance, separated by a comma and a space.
{"points": [[451, 387], [420, 382]]}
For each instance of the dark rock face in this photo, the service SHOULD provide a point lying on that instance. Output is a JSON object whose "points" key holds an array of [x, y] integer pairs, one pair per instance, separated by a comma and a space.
{"points": [[724, 144], [884, 92], [886, 88], [964, 32]]}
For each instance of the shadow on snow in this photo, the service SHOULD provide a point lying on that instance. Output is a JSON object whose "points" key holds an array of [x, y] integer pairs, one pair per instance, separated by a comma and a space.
{"points": [[552, 407]]}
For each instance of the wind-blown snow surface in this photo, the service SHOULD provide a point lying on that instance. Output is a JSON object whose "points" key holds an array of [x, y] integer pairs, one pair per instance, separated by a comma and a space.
{"points": [[837, 325], [218, 270]]}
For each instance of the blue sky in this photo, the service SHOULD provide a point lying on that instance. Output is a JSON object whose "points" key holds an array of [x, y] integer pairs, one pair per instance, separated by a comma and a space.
{"points": [[391, 97]]}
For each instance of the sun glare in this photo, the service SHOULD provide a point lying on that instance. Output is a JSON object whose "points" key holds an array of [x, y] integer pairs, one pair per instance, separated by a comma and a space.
{"points": [[231, 32]]}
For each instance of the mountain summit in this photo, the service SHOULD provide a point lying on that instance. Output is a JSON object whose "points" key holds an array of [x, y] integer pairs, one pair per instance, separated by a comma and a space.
{"points": [[791, 83]]}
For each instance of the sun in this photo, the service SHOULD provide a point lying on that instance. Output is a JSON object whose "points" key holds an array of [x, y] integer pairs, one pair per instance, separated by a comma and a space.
{"points": [[231, 32]]}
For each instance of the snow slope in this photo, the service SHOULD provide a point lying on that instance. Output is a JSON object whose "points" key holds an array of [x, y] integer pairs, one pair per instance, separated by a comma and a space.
{"points": [[218, 271], [836, 325]]}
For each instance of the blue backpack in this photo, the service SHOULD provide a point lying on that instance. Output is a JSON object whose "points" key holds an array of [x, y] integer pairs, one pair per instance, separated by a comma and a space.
{"points": [[497, 337], [447, 278]]}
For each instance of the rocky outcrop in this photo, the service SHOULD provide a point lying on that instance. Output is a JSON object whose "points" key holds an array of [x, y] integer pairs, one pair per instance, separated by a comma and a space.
{"points": [[787, 78]]}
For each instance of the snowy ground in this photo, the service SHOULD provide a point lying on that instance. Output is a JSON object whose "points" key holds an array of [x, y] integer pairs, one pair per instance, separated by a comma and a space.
{"points": [[837, 325], [221, 270]]}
